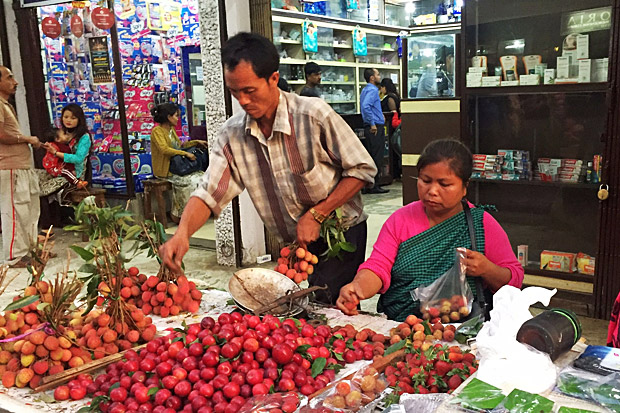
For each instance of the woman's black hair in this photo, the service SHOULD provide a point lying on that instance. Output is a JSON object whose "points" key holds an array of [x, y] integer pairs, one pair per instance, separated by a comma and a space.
{"points": [[452, 151], [254, 49], [161, 112], [82, 128], [387, 83]]}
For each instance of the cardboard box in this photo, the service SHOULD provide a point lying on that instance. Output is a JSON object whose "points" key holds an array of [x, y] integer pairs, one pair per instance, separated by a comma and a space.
{"points": [[599, 70], [474, 80], [549, 77], [558, 261], [583, 46], [491, 81], [529, 80], [585, 71], [585, 264], [510, 83], [563, 67]]}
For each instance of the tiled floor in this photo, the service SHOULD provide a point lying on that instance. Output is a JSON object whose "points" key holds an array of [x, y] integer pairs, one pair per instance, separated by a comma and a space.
{"points": [[201, 263]]}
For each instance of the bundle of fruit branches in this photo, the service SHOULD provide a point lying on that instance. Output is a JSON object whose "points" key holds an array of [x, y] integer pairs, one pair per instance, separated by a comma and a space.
{"points": [[108, 228], [40, 336]]}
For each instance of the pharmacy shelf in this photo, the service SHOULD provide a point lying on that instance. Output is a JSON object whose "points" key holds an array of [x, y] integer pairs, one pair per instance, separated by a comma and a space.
{"points": [[335, 46], [335, 82], [381, 49], [574, 276], [287, 41], [518, 90], [289, 61], [523, 182], [379, 66]]}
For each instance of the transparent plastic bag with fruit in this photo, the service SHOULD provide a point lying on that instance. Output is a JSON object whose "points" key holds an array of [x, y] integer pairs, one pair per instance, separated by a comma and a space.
{"points": [[265, 403], [449, 298], [350, 395]]}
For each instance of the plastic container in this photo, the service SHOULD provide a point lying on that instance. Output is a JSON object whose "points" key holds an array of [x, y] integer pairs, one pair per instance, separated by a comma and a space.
{"points": [[553, 332]]}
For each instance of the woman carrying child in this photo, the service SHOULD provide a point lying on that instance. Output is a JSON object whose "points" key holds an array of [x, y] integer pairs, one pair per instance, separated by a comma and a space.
{"points": [[74, 134]]}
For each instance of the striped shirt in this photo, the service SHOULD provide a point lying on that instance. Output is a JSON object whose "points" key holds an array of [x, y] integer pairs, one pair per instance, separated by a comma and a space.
{"points": [[310, 150]]}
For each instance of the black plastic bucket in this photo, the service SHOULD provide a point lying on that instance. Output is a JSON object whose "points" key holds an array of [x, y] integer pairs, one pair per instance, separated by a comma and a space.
{"points": [[553, 332]]}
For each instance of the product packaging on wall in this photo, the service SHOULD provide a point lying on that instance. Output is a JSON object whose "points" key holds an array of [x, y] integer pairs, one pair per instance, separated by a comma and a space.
{"points": [[80, 68]]}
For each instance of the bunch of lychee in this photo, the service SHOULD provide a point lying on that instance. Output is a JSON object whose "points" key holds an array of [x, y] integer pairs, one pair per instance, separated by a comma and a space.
{"points": [[296, 263]]}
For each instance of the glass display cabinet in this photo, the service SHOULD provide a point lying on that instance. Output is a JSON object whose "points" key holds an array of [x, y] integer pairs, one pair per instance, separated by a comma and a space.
{"points": [[430, 71], [534, 114]]}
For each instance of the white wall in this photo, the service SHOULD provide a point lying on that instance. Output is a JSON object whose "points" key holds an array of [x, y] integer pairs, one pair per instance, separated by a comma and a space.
{"points": [[16, 67], [252, 228]]}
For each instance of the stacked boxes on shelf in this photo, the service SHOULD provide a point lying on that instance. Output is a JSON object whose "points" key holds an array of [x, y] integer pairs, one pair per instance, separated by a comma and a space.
{"points": [[508, 165], [568, 170]]}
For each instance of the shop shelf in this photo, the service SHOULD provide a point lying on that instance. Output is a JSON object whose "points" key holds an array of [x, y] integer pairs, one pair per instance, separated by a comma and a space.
{"points": [[340, 101], [382, 49], [379, 66], [538, 183], [335, 46], [518, 90], [335, 82], [287, 41], [574, 276]]}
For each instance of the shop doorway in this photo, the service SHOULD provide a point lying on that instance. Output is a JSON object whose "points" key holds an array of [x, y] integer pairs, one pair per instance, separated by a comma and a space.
{"points": [[195, 98]]}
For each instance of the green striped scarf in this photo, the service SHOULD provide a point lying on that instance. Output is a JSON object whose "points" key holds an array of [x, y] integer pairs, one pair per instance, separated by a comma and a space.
{"points": [[424, 258]]}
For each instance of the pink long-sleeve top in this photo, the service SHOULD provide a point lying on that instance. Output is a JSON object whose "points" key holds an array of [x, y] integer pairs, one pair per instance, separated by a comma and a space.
{"points": [[411, 220]]}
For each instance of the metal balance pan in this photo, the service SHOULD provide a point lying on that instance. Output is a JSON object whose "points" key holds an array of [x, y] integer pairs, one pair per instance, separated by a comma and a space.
{"points": [[253, 288]]}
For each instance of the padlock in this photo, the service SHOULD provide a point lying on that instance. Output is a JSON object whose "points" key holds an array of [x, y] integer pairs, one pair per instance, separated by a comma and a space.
{"points": [[603, 192]]}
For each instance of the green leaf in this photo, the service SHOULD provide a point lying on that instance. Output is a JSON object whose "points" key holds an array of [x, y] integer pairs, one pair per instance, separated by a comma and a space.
{"points": [[88, 268], [303, 349], [42, 306], [318, 366], [114, 386], [395, 347], [152, 391], [349, 344], [334, 366], [84, 254], [22, 302], [348, 247], [427, 328], [338, 356]]}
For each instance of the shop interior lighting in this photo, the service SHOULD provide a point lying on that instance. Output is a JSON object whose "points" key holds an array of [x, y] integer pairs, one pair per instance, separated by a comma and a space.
{"points": [[517, 44], [410, 8]]}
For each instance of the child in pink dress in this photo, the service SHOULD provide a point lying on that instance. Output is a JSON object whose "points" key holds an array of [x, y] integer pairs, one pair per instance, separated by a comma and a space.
{"points": [[56, 166]]}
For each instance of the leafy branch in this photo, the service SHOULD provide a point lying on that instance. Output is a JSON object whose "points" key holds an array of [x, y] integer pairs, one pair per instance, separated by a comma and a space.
{"points": [[332, 231]]}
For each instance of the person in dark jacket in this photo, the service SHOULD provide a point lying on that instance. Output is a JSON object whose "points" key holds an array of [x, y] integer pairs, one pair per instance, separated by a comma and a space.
{"points": [[313, 79]]}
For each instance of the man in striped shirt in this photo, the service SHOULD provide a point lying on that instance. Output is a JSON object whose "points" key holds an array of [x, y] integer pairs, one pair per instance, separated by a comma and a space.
{"points": [[297, 158]]}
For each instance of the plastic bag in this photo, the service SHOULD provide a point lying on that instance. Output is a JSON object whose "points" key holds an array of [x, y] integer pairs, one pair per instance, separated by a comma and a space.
{"points": [[449, 296], [600, 360], [363, 390], [603, 390], [519, 401], [478, 396], [418, 403], [265, 403]]}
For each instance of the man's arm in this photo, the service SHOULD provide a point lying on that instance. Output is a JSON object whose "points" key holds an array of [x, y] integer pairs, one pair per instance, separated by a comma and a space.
{"points": [[19, 139], [195, 214], [308, 229]]}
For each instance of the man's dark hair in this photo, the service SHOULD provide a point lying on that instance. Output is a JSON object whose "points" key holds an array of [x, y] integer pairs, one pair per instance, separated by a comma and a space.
{"points": [[283, 85], [161, 112], [254, 49], [452, 151], [311, 68], [368, 72]]}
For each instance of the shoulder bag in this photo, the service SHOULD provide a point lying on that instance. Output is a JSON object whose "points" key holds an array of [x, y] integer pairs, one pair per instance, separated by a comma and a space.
{"points": [[484, 299]]}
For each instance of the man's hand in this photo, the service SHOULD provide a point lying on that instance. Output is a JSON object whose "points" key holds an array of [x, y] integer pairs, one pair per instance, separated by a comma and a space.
{"points": [[308, 230], [50, 148], [373, 129], [173, 251], [33, 140]]}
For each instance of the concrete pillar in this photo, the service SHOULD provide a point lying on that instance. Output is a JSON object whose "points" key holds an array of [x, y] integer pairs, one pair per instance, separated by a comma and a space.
{"points": [[252, 230]]}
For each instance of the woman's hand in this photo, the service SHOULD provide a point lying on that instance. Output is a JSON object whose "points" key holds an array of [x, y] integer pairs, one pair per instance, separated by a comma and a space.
{"points": [[349, 298], [204, 144], [50, 148], [477, 264], [191, 156]]}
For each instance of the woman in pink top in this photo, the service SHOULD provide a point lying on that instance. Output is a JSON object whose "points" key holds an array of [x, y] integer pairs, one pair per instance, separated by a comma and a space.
{"points": [[416, 244]]}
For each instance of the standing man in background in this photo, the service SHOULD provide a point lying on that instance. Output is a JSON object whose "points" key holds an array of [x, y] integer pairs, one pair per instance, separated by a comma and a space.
{"points": [[313, 79], [19, 185], [374, 121]]}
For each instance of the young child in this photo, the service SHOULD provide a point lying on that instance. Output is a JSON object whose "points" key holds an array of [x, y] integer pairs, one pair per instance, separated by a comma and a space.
{"points": [[55, 166]]}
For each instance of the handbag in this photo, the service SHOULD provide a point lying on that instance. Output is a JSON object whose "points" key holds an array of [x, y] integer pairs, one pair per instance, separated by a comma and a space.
{"points": [[181, 165], [483, 304]]}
